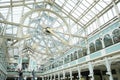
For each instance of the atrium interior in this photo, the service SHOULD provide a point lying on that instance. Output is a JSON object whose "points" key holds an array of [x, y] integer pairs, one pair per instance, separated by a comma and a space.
{"points": [[59, 39]]}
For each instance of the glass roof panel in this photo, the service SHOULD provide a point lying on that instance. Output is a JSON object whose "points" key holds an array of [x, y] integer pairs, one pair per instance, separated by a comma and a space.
{"points": [[72, 3], [82, 6], [67, 9], [89, 1], [98, 7], [75, 15], [50, 31], [118, 6], [59, 2], [87, 4]]}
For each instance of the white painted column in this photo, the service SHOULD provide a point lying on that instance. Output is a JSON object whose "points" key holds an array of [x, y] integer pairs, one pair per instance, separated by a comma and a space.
{"points": [[91, 75], [42, 77], [63, 61], [51, 76], [54, 76], [45, 77], [63, 75], [79, 73], [25, 78], [58, 76], [70, 74], [108, 66], [35, 78], [77, 55], [88, 49]]}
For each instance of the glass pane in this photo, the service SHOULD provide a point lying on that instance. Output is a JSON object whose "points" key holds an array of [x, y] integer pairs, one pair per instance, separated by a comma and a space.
{"points": [[116, 35], [98, 44], [108, 40], [92, 48]]}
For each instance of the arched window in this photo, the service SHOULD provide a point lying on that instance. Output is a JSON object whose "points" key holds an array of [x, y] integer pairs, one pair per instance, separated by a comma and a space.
{"points": [[92, 48], [68, 58], [98, 44], [61, 61], [80, 53], [75, 55], [84, 52], [65, 59], [116, 35], [107, 40], [52, 65]]}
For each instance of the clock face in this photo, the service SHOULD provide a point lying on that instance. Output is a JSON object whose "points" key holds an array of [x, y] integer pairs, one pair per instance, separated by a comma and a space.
{"points": [[47, 30]]}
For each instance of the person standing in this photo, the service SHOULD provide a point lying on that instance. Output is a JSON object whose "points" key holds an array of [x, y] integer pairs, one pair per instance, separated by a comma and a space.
{"points": [[20, 74], [33, 74]]}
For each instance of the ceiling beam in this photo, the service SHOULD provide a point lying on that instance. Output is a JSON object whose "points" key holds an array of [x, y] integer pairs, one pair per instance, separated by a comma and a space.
{"points": [[16, 24], [10, 37], [20, 3], [55, 4], [38, 52], [108, 7]]}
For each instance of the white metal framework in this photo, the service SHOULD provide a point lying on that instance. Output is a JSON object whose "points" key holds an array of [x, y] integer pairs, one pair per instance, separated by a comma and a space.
{"points": [[46, 29]]}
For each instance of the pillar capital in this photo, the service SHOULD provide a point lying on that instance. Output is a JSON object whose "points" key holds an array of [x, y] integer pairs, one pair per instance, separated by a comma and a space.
{"points": [[79, 72], [35, 78], [107, 61], [91, 66], [108, 66], [25, 78]]}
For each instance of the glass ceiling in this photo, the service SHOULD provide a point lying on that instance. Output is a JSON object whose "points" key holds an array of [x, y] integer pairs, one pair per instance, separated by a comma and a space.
{"points": [[46, 29]]}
